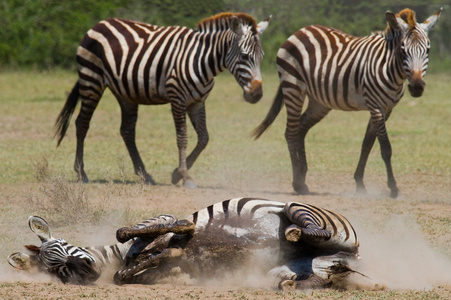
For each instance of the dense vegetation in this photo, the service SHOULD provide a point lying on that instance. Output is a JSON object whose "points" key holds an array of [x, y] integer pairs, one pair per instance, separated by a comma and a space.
{"points": [[45, 33]]}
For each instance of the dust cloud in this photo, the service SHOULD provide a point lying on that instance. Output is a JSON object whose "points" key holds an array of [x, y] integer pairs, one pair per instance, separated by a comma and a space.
{"points": [[397, 256], [10, 274]]}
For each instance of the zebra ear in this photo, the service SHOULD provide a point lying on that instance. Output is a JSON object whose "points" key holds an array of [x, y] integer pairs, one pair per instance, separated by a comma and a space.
{"points": [[431, 21], [236, 26], [396, 23], [20, 261], [263, 25], [39, 226]]}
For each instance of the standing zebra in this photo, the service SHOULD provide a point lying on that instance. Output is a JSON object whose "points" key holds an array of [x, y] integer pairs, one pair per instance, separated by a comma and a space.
{"points": [[339, 71], [147, 64], [302, 245]]}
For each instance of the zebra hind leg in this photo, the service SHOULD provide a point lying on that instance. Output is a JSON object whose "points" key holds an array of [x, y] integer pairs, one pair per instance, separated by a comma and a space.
{"points": [[129, 116], [140, 272]]}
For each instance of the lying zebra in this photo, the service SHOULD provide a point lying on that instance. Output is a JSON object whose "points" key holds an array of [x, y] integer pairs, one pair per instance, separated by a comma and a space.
{"points": [[302, 245]]}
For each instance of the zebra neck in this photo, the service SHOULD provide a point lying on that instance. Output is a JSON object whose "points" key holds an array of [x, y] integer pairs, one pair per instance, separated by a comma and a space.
{"points": [[391, 43], [111, 254], [213, 51]]}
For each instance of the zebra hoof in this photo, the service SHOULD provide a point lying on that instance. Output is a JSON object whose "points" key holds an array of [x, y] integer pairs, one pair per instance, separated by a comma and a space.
{"points": [[176, 176], [287, 285], [122, 235], [189, 184], [83, 178], [293, 233], [120, 278], [361, 191], [394, 193], [301, 189], [149, 180]]}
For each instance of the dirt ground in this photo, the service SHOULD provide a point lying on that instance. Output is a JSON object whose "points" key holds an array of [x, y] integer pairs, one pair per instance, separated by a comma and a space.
{"points": [[405, 243]]}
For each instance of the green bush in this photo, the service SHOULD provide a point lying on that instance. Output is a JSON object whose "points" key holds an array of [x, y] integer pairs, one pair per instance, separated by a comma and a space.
{"points": [[45, 33]]}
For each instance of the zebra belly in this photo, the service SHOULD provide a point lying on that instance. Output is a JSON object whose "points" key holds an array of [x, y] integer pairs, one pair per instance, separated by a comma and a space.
{"points": [[231, 244], [217, 251]]}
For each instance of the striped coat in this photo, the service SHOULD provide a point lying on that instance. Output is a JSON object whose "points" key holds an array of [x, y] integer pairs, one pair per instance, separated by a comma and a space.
{"points": [[338, 71], [150, 65]]}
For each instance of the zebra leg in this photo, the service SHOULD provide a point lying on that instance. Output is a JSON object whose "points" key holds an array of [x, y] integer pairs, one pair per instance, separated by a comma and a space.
{"points": [[155, 227], [179, 115], [313, 281], [386, 152], [378, 118], [88, 106], [304, 225], [367, 145], [196, 113], [128, 125], [166, 256], [314, 113], [293, 98]]}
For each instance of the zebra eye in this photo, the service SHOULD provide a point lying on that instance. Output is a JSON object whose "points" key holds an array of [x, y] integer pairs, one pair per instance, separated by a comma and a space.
{"points": [[244, 56]]}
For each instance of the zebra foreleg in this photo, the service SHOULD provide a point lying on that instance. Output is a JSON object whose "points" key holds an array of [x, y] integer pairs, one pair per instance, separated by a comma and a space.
{"points": [[179, 116], [154, 230], [131, 275], [196, 113], [378, 118], [367, 145]]}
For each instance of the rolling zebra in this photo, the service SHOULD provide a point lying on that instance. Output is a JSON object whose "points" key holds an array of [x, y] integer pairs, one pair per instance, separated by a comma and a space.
{"points": [[147, 64], [300, 244], [70, 264], [339, 71]]}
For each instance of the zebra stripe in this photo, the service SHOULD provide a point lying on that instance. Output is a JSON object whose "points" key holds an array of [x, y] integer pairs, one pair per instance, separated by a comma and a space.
{"points": [[57, 256], [336, 228], [232, 208], [339, 71], [150, 65]]}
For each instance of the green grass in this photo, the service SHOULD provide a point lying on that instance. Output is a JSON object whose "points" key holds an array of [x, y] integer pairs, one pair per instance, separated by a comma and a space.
{"points": [[419, 130]]}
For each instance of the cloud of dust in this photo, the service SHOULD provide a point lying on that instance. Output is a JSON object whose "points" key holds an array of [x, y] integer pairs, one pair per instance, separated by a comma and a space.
{"points": [[10, 274], [397, 256]]}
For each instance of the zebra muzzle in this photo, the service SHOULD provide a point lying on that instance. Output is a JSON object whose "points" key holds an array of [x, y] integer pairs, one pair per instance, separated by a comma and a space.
{"points": [[255, 93], [416, 85]]}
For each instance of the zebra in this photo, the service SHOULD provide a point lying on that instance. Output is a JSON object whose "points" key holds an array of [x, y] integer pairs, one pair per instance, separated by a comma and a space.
{"points": [[151, 65], [68, 263], [301, 245], [339, 71]]}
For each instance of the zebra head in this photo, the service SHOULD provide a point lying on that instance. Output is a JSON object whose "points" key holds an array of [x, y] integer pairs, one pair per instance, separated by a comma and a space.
{"points": [[56, 257], [414, 46], [244, 57]]}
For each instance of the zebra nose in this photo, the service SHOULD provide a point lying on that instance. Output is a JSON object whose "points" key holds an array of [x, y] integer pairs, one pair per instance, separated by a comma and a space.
{"points": [[416, 85], [255, 93]]}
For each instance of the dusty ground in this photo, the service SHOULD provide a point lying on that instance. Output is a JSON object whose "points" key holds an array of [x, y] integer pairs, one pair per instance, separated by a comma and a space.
{"points": [[405, 243]]}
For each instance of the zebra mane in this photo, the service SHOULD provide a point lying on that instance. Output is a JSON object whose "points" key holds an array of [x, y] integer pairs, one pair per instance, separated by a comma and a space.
{"points": [[222, 22], [408, 16]]}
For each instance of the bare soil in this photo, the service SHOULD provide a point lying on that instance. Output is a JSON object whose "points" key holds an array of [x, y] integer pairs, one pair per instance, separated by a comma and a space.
{"points": [[405, 242]]}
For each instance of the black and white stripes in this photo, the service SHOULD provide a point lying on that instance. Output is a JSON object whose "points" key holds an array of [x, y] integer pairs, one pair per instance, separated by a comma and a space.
{"points": [[150, 65], [339, 71]]}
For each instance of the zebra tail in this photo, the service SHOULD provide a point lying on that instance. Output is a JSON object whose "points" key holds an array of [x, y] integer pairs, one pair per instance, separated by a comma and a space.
{"points": [[62, 122], [271, 116]]}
